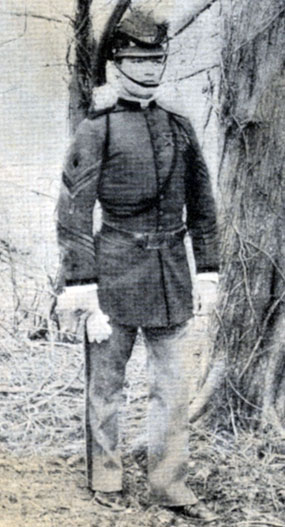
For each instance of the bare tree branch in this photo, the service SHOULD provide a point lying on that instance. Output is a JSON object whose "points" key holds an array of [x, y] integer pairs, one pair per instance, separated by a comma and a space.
{"points": [[261, 30], [193, 18], [202, 70], [31, 15], [19, 36]]}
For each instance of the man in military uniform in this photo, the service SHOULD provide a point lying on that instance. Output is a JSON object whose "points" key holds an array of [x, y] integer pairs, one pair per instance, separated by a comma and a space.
{"points": [[144, 165]]}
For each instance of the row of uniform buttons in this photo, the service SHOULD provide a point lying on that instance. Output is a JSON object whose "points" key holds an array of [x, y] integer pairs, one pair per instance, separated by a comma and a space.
{"points": [[160, 212], [158, 141]]}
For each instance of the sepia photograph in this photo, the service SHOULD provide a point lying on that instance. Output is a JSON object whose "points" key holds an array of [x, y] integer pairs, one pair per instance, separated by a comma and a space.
{"points": [[142, 250]]}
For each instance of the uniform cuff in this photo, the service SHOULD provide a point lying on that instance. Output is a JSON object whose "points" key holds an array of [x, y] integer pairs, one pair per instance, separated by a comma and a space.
{"points": [[85, 288], [208, 276], [81, 282]]}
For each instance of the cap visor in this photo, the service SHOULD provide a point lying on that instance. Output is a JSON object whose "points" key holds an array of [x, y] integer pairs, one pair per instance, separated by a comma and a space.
{"points": [[137, 52]]}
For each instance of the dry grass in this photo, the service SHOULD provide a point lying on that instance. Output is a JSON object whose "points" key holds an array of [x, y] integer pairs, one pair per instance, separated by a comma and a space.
{"points": [[42, 475]]}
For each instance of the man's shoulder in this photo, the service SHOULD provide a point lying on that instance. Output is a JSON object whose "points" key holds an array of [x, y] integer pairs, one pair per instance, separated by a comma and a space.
{"points": [[93, 124], [97, 116], [175, 115]]}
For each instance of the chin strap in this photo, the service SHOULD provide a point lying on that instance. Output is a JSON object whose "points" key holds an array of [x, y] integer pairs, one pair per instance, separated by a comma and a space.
{"points": [[143, 84]]}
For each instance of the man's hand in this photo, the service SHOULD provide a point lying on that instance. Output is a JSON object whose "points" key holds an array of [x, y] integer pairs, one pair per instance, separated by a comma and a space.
{"points": [[205, 293], [98, 326], [78, 301]]}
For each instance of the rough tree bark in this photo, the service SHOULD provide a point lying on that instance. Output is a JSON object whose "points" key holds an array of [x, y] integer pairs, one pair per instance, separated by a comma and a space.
{"points": [[81, 71], [251, 333]]}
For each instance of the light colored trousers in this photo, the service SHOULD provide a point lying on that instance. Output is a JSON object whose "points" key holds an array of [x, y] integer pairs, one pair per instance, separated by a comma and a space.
{"points": [[168, 433]]}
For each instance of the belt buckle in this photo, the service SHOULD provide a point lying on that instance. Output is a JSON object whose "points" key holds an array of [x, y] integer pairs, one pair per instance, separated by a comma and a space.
{"points": [[141, 240], [155, 240]]}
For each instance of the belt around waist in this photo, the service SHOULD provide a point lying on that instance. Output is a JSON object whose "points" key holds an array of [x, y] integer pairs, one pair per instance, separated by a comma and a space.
{"points": [[145, 240]]}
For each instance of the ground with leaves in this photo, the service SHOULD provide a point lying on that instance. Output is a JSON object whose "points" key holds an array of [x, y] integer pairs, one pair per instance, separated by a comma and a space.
{"points": [[42, 472]]}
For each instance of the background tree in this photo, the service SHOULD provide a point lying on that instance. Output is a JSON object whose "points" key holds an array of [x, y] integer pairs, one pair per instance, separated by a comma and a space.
{"points": [[81, 73], [251, 334]]}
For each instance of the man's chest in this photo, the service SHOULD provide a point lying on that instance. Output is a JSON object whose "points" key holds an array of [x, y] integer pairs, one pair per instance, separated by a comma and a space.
{"points": [[141, 149]]}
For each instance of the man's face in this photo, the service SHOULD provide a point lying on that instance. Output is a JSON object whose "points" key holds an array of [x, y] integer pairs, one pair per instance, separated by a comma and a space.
{"points": [[147, 70]]}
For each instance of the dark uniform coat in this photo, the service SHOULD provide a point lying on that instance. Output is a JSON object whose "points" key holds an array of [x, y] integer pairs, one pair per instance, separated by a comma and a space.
{"points": [[145, 168]]}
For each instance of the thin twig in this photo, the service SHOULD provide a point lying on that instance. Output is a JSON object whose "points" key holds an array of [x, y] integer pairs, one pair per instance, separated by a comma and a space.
{"points": [[194, 18], [277, 268], [261, 522], [62, 390], [242, 261], [260, 31], [5, 388], [261, 336], [242, 397], [198, 72], [273, 307], [21, 35], [31, 15]]}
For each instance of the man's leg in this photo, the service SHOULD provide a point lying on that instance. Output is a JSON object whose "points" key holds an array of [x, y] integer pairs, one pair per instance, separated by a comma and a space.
{"points": [[105, 366], [168, 434]]}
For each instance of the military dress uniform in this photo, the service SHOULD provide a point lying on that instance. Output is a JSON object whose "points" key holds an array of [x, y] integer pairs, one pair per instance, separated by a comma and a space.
{"points": [[145, 167], [139, 261]]}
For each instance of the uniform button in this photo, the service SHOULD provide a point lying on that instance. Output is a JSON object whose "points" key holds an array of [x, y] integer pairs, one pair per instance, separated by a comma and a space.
{"points": [[162, 196], [161, 213], [160, 227]]}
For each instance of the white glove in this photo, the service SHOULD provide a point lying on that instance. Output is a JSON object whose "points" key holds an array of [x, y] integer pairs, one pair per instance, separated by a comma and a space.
{"points": [[205, 289], [82, 299], [98, 326]]}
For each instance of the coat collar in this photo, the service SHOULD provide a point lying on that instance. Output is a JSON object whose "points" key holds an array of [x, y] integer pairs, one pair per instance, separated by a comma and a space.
{"points": [[135, 105]]}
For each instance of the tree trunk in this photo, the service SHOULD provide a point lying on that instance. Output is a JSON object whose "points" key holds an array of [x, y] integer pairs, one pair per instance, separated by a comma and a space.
{"points": [[251, 334], [80, 87], [90, 57]]}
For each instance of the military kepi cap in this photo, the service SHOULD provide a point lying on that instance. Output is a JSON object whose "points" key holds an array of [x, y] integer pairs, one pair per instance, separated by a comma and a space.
{"points": [[138, 35]]}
